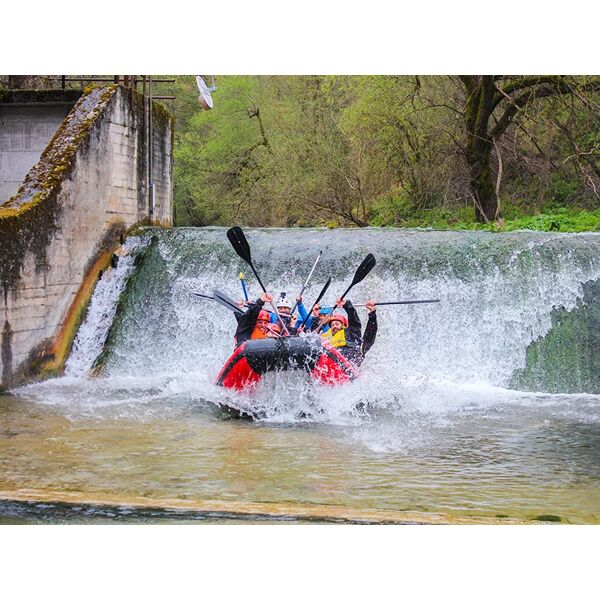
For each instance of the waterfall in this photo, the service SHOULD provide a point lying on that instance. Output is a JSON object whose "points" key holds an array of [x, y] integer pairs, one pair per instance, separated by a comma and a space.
{"points": [[91, 336], [498, 296]]}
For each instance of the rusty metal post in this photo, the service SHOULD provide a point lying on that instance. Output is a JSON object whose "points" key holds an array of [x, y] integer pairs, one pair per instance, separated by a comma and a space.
{"points": [[133, 82], [150, 157], [145, 116]]}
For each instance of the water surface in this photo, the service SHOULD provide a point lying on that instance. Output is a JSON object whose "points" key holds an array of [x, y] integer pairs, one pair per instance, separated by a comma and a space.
{"points": [[431, 425]]}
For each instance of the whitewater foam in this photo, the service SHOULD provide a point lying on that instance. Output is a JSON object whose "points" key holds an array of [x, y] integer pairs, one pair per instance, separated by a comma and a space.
{"points": [[497, 294]]}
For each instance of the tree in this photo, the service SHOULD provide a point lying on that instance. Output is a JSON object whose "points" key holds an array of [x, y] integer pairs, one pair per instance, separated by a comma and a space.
{"points": [[492, 104]]}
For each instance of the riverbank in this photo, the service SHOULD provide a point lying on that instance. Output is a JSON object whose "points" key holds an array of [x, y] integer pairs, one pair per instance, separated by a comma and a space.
{"points": [[73, 506]]}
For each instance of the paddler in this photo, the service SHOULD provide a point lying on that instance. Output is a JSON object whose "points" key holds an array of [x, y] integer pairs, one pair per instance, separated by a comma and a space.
{"points": [[319, 318], [344, 332], [253, 324], [284, 307]]}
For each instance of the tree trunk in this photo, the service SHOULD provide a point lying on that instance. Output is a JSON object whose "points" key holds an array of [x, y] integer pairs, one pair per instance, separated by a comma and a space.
{"points": [[480, 180], [485, 94], [478, 111]]}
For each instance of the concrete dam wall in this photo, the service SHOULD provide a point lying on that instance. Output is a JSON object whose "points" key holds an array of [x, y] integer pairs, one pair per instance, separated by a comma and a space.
{"points": [[60, 229], [28, 120]]}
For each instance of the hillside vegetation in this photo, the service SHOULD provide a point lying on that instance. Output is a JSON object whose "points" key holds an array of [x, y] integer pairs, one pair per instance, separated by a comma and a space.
{"points": [[495, 152]]}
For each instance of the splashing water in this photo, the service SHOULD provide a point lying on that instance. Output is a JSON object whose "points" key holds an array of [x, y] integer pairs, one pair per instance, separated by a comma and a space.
{"points": [[433, 407], [92, 334], [497, 294]]}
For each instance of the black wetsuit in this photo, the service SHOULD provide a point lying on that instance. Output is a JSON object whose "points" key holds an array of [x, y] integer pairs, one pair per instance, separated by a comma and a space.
{"points": [[356, 345], [370, 332], [247, 322]]}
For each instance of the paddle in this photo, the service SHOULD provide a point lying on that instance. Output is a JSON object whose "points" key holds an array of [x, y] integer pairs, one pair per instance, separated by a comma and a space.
{"points": [[243, 282], [400, 302], [203, 296], [223, 301], [307, 280], [325, 288], [226, 301], [240, 244], [238, 240], [363, 270]]}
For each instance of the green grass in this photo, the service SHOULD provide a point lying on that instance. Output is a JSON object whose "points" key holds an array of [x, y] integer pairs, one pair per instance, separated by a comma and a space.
{"points": [[563, 219]]}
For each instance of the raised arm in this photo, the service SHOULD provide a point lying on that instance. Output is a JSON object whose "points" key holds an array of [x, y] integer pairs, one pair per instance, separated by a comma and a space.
{"points": [[371, 328]]}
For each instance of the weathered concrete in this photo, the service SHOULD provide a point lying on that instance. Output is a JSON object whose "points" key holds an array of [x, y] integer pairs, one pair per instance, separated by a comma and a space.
{"points": [[27, 123], [266, 510], [59, 231]]}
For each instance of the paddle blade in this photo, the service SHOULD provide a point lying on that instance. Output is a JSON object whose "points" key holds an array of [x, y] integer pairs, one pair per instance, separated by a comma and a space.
{"points": [[364, 269], [226, 301], [240, 244]]}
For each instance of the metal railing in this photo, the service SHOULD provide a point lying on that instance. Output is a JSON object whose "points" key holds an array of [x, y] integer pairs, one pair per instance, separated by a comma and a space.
{"points": [[132, 82]]}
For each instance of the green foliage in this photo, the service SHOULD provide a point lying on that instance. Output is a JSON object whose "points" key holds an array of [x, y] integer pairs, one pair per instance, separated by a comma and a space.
{"points": [[215, 157], [374, 150], [562, 189], [563, 219]]}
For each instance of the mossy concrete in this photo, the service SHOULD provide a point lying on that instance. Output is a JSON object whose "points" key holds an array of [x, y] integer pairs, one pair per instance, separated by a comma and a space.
{"points": [[67, 218], [566, 359]]}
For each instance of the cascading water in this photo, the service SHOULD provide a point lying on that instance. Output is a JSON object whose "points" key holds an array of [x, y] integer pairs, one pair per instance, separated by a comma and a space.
{"points": [[92, 334], [438, 420], [496, 296]]}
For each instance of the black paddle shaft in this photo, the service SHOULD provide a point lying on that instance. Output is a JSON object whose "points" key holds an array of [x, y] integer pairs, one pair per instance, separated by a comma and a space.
{"points": [[363, 270], [325, 288], [405, 302]]}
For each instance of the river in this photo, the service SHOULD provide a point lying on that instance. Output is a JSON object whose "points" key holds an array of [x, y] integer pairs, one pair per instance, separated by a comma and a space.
{"points": [[483, 406]]}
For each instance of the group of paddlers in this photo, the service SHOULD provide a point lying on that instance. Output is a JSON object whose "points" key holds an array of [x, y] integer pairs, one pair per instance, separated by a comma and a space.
{"points": [[342, 331]]}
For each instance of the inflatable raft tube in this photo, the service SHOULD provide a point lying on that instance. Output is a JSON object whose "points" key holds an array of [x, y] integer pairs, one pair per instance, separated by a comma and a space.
{"points": [[252, 359]]}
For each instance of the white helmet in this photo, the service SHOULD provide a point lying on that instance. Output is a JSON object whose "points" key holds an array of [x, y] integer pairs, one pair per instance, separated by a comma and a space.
{"points": [[284, 302]]}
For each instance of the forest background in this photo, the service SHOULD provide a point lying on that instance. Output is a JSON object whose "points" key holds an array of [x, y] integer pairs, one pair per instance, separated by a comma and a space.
{"points": [[492, 152]]}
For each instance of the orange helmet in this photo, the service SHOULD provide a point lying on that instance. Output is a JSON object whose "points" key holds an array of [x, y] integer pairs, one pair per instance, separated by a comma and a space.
{"points": [[343, 319], [264, 315]]}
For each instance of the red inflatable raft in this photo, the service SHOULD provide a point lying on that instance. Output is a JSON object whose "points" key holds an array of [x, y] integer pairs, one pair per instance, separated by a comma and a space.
{"points": [[252, 359]]}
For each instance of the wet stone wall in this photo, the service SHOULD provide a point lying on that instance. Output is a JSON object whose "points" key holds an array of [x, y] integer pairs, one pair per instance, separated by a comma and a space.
{"points": [[59, 231]]}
